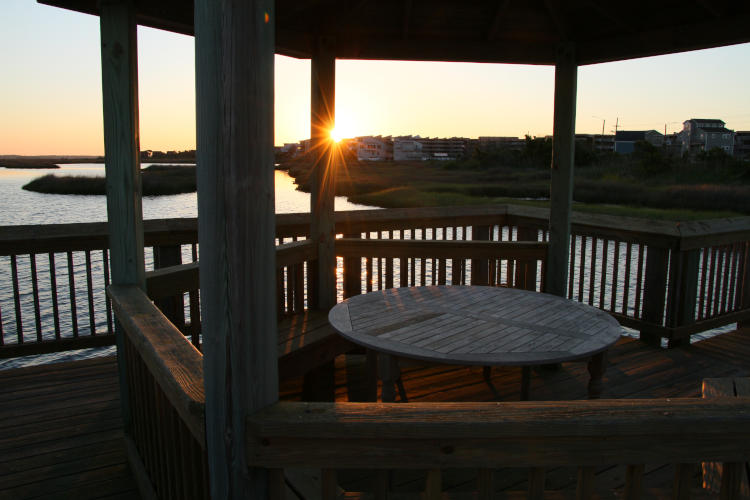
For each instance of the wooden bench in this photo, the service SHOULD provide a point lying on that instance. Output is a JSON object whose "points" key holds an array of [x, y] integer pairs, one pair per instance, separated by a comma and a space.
{"points": [[737, 474], [307, 341]]}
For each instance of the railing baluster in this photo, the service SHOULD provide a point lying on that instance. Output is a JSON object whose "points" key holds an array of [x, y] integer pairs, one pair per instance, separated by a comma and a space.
{"points": [[603, 282], [35, 294], [711, 279], [90, 294], [413, 261], [16, 299], [726, 282], [626, 285], [433, 488], [423, 262], [733, 279], [592, 269], [329, 485], [585, 483], [105, 265], [53, 289], [633, 482], [486, 484], [536, 483], [683, 481], [582, 268], [389, 267], [704, 280], [639, 283], [368, 288], [571, 261], [403, 265], [72, 295], [615, 277]]}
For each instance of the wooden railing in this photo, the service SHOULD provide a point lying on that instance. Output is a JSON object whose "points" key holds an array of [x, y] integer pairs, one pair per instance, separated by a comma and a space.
{"points": [[664, 279], [519, 439], [165, 435]]}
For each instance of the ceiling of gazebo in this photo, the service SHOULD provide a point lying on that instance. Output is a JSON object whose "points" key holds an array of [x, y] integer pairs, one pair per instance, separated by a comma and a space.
{"points": [[512, 31]]}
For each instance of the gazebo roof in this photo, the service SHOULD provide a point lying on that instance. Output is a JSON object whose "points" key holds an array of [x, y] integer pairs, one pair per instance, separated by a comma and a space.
{"points": [[501, 31]]}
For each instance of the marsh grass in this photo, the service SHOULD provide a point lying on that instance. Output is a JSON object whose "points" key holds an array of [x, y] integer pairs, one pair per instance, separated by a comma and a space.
{"points": [[156, 180], [617, 184]]}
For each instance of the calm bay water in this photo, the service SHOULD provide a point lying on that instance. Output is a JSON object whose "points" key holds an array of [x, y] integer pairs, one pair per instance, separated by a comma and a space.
{"points": [[26, 207]]}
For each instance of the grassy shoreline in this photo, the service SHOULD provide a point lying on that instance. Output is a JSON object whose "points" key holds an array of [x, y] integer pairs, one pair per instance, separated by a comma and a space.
{"points": [[620, 189], [157, 180]]}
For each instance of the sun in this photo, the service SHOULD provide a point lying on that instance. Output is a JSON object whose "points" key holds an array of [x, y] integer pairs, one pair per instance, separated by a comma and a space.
{"points": [[336, 134]]}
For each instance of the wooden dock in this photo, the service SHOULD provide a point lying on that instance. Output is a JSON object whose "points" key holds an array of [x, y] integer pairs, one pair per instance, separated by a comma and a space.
{"points": [[61, 436]]}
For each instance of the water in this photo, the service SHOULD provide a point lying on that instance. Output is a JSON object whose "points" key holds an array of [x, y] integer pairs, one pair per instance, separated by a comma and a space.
{"points": [[26, 207], [21, 207]]}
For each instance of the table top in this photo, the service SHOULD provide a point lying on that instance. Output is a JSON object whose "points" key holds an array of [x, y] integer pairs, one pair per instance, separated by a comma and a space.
{"points": [[475, 325]]}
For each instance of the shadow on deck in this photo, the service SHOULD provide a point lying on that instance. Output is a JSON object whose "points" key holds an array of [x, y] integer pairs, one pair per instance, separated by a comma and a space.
{"points": [[61, 436]]}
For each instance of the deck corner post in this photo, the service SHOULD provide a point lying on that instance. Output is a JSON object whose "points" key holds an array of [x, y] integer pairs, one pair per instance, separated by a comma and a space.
{"points": [[119, 54], [561, 190], [234, 66], [323, 185]]}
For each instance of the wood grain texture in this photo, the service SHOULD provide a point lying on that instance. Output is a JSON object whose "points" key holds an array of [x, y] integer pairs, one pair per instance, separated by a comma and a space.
{"points": [[234, 91], [175, 364], [323, 178], [121, 142], [419, 435], [474, 325], [561, 190]]}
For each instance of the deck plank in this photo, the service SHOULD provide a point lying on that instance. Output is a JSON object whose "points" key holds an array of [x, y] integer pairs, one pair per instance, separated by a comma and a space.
{"points": [[61, 432], [60, 435]]}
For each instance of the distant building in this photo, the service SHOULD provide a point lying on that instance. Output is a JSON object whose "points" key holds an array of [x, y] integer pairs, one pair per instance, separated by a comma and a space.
{"points": [[374, 148], [625, 139], [487, 143], [742, 145], [597, 142], [701, 134], [407, 149], [443, 149]]}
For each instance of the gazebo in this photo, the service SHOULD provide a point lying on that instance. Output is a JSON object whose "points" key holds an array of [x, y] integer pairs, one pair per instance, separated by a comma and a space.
{"points": [[235, 43]]}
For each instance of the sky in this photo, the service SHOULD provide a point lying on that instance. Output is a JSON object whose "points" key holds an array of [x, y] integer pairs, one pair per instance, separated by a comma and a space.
{"points": [[50, 91]]}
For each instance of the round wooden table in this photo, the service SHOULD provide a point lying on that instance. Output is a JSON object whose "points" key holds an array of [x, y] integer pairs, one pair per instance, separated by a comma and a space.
{"points": [[476, 325]]}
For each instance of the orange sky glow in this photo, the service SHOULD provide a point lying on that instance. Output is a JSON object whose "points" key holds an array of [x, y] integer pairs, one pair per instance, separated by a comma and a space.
{"points": [[50, 91]]}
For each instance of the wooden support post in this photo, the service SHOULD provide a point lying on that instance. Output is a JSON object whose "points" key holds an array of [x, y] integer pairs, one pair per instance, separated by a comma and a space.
{"points": [[683, 289], [654, 290], [234, 47], [352, 273], [526, 269], [172, 307], [323, 185], [480, 267], [119, 53], [561, 191]]}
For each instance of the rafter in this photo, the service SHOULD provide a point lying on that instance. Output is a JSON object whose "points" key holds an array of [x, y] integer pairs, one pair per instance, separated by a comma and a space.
{"points": [[492, 33], [554, 11], [406, 18]]}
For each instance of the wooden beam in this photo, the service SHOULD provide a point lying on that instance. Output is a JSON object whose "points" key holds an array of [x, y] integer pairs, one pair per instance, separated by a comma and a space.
{"points": [[492, 32], [234, 46], [121, 144], [406, 18], [323, 185], [493, 435], [561, 190], [555, 13], [119, 54]]}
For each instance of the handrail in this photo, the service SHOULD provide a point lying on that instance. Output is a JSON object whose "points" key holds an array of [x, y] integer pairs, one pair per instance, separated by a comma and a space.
{"points": [[491, 435], [441, 249], [175, 364]]}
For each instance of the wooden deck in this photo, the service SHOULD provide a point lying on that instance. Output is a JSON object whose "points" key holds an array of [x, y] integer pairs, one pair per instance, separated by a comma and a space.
{"points": [[61, 437], [61, 432]]}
